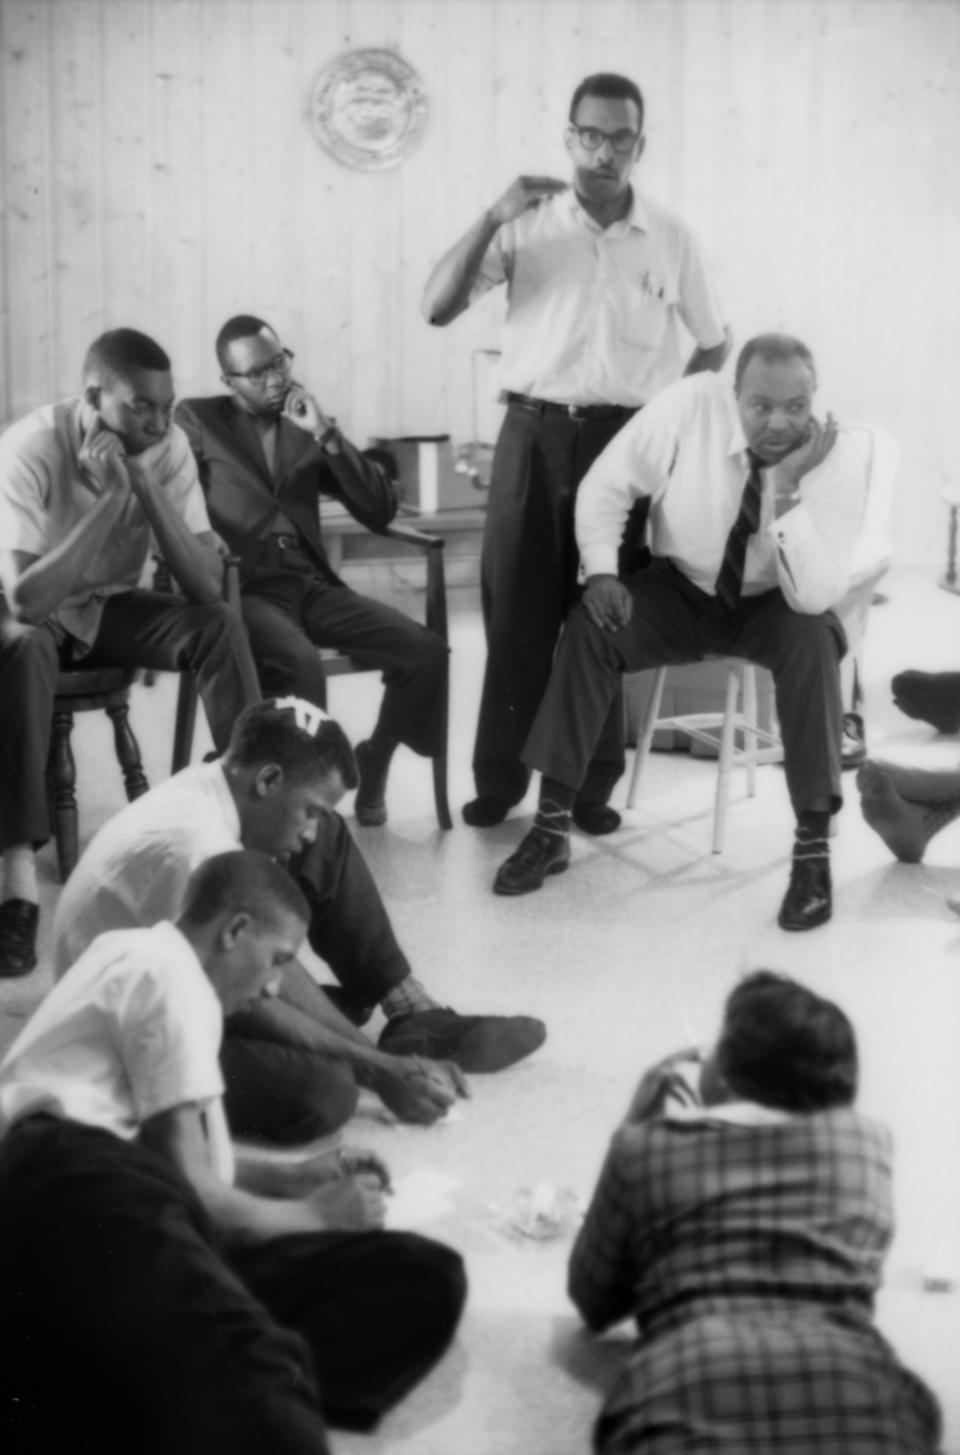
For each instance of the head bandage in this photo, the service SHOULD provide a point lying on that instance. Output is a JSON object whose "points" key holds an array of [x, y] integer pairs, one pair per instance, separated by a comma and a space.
{"points": [[306, 715]]}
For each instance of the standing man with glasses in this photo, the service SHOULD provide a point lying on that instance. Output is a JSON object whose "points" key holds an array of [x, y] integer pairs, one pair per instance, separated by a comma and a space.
{"points": [[267, 454], [600, 285], [88, 487]]}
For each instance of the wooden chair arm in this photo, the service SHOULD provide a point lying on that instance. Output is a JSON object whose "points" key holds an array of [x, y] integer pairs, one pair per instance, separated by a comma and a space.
{"points": [[436, 587]]}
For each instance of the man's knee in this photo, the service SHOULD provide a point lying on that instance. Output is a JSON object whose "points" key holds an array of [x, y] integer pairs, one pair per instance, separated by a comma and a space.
{"points": [[27, 653], [436, 1279], [322, 1099], [815, 642]]}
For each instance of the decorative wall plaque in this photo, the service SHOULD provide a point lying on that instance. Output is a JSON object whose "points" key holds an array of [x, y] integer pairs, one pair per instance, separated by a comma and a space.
{"points": [[368, 109]]}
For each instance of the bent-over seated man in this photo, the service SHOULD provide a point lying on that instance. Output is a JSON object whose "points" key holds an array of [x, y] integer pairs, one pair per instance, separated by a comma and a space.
{"points": [[86, 486], [755, 510], [148, 1297], [293, 1065], [267, 454]]}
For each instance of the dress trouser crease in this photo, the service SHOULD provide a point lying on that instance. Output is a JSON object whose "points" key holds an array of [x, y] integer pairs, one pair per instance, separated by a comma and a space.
{"points": [[673, 622], [528, 585]]}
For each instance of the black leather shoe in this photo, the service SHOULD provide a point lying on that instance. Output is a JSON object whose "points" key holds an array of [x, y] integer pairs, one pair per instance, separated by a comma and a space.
{"points": [[485, 810], [808, 901], [478, 1043], [596, 818], [539, 854], [370, 805], [18, 937]]}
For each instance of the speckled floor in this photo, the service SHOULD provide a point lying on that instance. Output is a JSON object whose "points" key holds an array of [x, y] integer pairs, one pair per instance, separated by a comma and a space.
{"points": [[626, 956]]}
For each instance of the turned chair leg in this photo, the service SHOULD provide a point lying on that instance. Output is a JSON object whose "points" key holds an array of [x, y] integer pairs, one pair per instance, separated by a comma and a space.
{"points": [[440, 761], [128, 751], [62, 777]]}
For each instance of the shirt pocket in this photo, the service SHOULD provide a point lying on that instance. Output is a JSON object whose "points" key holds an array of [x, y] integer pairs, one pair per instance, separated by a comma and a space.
{"points": [[645, 307]]}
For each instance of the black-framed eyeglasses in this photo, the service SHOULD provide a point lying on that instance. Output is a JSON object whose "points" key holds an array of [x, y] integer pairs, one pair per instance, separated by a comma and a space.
{"points": [[279, 364], [592, 138]]}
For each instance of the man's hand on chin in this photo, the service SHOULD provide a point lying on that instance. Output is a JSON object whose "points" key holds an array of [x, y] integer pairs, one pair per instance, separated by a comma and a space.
{"points": [[820, 440]]}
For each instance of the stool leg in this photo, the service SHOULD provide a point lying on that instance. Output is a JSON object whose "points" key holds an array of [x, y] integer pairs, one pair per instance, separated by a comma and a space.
{"points": [[440, 761], [642, 750], [750, 726], [63, 780], [725, 759], [128, 751]]}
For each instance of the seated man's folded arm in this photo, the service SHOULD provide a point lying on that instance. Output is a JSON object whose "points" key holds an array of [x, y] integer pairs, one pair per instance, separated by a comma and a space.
{"points": [[361, 484], [179, 1137], [816, 539]]}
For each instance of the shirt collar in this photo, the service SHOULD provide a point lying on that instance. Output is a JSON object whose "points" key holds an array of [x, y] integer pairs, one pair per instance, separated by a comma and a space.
{"points": [[637, 218], [217, 778], [736, 1113]]}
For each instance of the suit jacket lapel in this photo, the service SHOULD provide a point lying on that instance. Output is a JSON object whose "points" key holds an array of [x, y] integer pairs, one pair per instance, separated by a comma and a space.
{"points": [[293, 444], [242, 435]]}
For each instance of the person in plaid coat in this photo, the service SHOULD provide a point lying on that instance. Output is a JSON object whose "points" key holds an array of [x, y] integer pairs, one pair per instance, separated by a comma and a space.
{"points": [[742, 1216]]}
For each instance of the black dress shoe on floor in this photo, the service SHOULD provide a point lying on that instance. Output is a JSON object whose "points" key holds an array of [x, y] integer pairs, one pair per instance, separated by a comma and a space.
{"points": [[370, 806], [808, 901], [477, 1043], [18, 937], [484, 811], [596, 818], [540, 853]]}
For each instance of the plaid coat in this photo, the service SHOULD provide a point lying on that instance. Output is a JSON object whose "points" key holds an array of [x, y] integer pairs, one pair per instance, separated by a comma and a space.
{"points": [[749, 1255]]}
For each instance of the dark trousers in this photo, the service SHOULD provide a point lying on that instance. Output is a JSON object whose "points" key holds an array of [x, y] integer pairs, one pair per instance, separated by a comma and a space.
{"points": [[528, 585], [125, 1324], [290, 609], [282, 1092], [137, 629], [674, 622]]}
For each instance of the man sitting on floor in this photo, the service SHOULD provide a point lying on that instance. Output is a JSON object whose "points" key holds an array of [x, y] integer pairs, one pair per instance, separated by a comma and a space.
{"points": [[755, 509], [85, 486], [267, 453], [292, 1065], [148, 1300]]}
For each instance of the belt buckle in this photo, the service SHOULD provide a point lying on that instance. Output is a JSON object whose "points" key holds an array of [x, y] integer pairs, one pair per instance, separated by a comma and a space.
{"points": [[577, 412]]}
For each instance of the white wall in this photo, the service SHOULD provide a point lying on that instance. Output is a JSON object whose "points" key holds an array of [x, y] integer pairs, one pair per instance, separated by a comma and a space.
{"points": [[158, 170]]}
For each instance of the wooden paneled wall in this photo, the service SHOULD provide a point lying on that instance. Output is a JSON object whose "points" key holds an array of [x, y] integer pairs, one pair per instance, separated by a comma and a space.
{"points": [[158, 169]]}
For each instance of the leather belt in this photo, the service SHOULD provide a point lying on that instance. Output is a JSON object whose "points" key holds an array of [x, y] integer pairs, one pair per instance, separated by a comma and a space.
{"points": [[570, 411]]}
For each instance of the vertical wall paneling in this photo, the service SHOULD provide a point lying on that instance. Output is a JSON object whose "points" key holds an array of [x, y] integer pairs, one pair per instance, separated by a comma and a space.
{"points": [[158, 169]]}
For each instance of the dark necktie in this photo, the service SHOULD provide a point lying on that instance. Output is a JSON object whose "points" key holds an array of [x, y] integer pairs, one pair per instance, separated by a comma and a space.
{"points": [[730, 579]]}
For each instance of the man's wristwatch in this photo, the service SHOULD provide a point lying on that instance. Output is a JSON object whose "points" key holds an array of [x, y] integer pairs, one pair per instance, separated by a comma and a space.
{"points": [[327, 437]]}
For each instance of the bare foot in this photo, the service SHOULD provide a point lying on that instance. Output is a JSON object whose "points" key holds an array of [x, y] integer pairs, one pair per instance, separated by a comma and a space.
{"points": [[901, 824]]}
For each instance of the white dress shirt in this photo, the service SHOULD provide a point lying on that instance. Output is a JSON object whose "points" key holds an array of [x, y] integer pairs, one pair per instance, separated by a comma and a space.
{"points": [[598, 315], [132, 1031], [687, 452], [135, 870]]}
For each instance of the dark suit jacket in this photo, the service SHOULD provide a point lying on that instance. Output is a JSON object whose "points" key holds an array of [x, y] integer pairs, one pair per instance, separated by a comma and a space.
{"points": [[242, 495]]}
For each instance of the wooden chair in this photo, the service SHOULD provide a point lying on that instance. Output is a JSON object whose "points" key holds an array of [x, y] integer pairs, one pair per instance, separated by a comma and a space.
{"points": [[720, 730], [338, 664], [106, 688]]}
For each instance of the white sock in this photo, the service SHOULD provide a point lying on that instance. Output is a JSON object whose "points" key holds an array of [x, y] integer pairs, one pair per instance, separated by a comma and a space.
{"points": [[20, 874]]}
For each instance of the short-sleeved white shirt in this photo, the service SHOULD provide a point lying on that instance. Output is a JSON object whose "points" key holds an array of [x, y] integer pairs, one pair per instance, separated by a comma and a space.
{"points": [[44, 493], [133, 1031], [597, 315], [135, 870]]}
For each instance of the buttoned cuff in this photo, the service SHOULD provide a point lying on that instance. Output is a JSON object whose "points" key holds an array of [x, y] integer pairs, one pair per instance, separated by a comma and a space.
{"points": [[600, 561]]}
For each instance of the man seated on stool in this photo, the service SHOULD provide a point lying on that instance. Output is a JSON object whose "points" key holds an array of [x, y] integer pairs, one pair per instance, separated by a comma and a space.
{"points": [[293, 1065], [755, 509], [148, 1296], [87, 488], [267, 453]]}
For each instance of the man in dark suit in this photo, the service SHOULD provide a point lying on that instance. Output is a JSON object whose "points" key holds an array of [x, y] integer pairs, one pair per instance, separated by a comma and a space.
{"points": [[267, 453]]}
